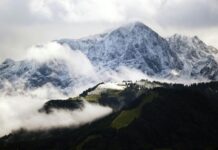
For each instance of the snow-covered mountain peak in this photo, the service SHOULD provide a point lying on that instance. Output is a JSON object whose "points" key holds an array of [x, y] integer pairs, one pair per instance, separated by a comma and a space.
{"points": [[190, 43], [125, 29], [198, 58], [134, 26], [133, 45]]}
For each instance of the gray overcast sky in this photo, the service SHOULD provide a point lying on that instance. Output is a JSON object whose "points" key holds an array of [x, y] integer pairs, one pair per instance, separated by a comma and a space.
{"points": [[28, 22]]}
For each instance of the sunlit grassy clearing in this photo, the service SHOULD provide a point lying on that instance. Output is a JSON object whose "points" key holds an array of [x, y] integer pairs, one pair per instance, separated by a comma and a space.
{"points": [[127, 116]]}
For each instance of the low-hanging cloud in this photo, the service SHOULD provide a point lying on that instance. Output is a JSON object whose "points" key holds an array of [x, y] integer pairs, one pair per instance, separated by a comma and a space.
{"points": [[54, 51], [22, 112]]}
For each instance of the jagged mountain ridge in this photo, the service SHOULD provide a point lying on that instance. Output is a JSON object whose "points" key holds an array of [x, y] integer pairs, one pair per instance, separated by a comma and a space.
{"points": [[134, 45], [197, 57], [137, 46]]}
